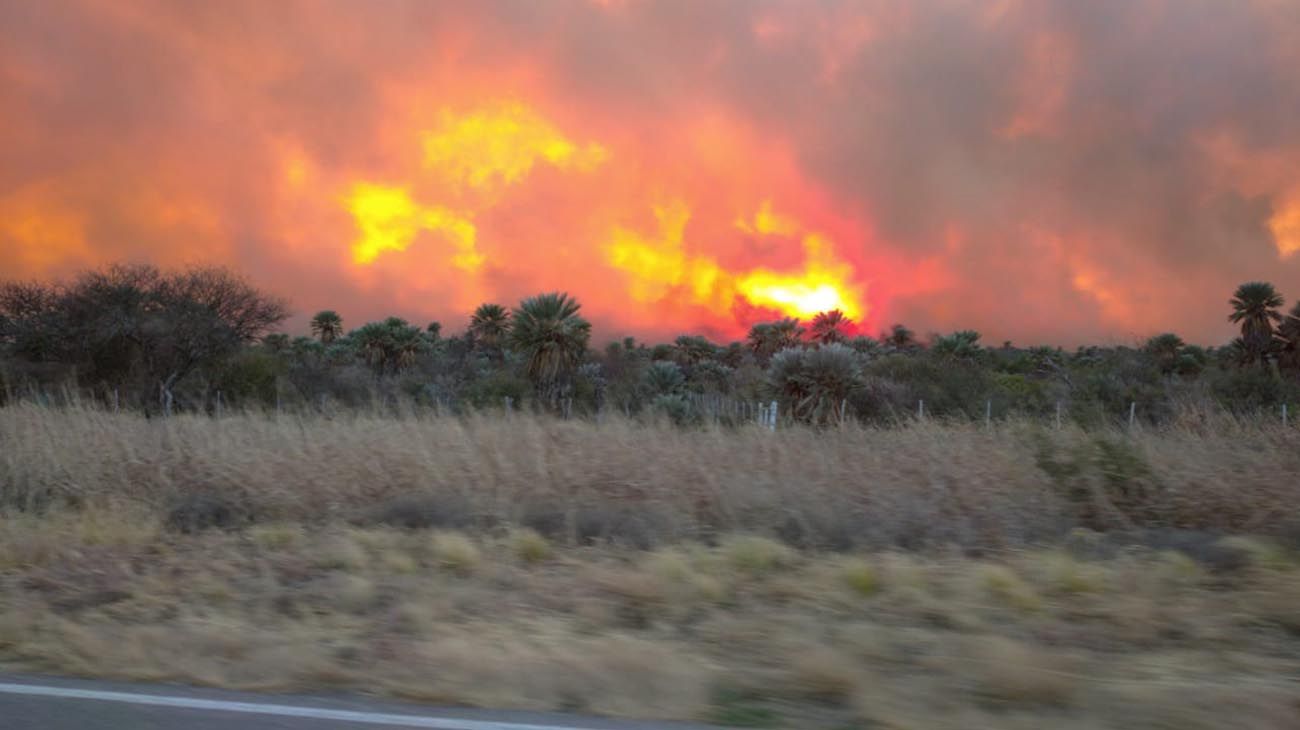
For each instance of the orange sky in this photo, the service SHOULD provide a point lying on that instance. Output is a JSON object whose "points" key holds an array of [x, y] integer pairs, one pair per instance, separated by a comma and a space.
{"points": [[1039, 170]]}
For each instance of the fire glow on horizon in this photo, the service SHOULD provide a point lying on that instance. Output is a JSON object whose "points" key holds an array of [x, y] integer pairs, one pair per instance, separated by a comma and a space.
{"points": [[1038, 171], [475, 158]]}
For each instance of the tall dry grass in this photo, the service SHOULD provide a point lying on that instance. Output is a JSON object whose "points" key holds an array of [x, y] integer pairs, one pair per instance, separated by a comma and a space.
{"points": [[927, 484], [494, 606]]}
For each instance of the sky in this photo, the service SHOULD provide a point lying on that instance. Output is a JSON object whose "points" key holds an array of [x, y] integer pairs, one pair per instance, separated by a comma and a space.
{"points": [[1042, 171]]}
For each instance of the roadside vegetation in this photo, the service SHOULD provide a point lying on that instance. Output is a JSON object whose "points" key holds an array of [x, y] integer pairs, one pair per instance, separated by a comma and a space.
{"points": [[932, 576], [506, 518]]}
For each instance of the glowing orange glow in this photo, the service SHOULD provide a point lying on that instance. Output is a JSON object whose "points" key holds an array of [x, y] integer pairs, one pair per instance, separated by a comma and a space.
{"points": [[767, 223], [480, 150], [659, 267], [966, 164], [389, 220], [501, 145], [1091, 280], [477, 162], [823, 284], [1285, 226], [46, 236], [295, 172]]}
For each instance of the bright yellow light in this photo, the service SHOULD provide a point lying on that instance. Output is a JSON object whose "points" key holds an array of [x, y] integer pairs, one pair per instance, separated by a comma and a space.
{"points": [[825, 283], [500, 146], [475, 152], [793, 296], [389, 220], [658, 267]]}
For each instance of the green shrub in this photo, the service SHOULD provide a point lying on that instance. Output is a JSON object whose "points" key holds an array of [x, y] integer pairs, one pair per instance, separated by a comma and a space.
{"points": [[456, 553], [756, 555], [528, 546]]}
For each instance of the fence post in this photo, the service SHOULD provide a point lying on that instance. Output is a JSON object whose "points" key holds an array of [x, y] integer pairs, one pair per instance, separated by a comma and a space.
{"points": [[920, 409], [772, 416], [988, 413], [844, 407], [1132, 413], [218, 404], [508, 408], [116, 403]]}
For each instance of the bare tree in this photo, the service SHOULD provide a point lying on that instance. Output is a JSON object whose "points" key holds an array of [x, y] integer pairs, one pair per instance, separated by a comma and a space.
{"points": [[136, 324]]}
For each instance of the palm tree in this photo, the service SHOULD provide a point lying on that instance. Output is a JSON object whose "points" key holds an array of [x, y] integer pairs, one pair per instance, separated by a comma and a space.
{"points": [[900, 338], [663, 377], [327, 326], [768, 338], [1166, 349], [760, 339], [864, 345], [1191, 361], [788, 332], [693, 349], [276, 342], [960, 345], [489, 325], [815, 383], [552, 338], [1254, 307], [1290, 327], [832, 326], [1289, 332], [390, 345]]}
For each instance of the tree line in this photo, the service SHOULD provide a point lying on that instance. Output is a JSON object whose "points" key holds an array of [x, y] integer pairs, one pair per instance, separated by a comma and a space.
{"points": [[160, 341]]}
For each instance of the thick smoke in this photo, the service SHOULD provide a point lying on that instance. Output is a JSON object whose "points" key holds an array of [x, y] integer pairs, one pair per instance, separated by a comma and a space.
{"points": [[1053, 171]]}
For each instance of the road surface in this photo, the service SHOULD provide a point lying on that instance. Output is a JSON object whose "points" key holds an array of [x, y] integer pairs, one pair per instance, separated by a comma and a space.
{"points": [[45, 703]]}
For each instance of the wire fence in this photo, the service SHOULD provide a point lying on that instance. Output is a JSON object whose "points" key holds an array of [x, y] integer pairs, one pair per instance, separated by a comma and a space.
{"points": [[704, 408]]}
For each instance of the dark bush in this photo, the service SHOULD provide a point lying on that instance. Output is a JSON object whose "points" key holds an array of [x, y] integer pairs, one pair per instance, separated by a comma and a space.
{"points": [[629, 526], [198, 511], [422, 511]]}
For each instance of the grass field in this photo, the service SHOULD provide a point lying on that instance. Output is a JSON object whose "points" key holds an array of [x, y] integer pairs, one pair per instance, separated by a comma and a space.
{"points": [[938, 576]]}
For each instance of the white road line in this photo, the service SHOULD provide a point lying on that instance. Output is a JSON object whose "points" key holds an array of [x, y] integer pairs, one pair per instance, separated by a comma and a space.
{"points": [[258, 708]]}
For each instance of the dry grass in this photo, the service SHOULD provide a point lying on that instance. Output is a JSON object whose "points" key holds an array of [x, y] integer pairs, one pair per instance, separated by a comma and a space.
{"points": [[456, 553], [687, 632], [802, 579], [529, 547], [642, 485], [860, 576], [1011, 672]]}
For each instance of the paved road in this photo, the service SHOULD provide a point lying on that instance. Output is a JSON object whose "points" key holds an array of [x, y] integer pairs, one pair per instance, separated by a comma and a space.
{"points": [[45, 703]]}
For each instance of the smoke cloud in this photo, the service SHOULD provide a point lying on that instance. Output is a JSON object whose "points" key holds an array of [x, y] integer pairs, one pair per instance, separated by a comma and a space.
{"points": [[1041, 171]]}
